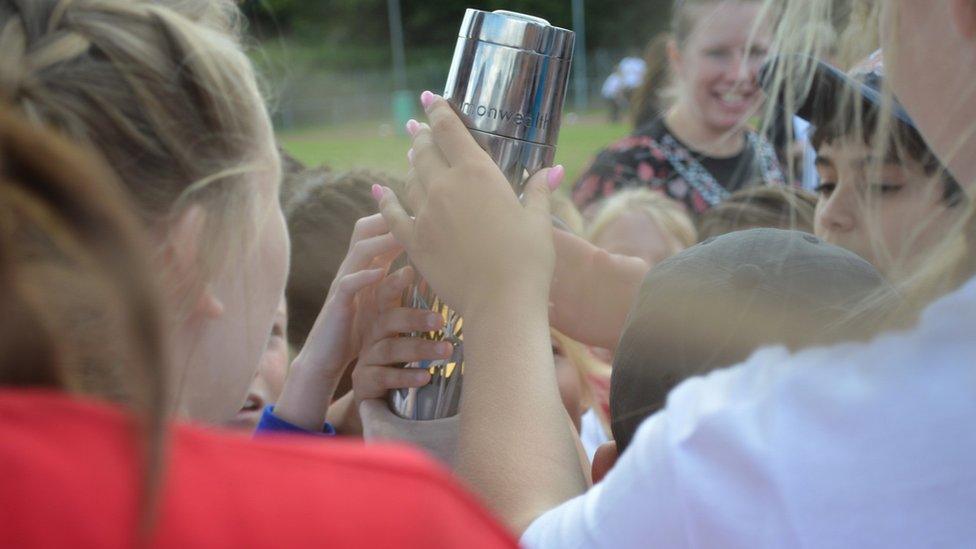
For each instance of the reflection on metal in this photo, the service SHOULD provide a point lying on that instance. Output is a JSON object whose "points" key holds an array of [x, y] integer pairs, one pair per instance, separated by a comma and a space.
{"points": [[508, 82], [439, 398]]}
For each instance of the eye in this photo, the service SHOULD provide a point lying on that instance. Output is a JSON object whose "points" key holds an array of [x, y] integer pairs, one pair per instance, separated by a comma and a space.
{"points": [[886, 188], [825, 188], [718, 53], [758, 53]]}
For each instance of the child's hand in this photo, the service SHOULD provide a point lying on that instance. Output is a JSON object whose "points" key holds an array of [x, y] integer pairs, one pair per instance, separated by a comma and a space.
{"points": [[335, 339], [378, 369], [471, 239]]}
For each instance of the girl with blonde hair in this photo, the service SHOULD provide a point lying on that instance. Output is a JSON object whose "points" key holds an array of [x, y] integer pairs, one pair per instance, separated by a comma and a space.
{"points": [[699, 149], [163, 95]]}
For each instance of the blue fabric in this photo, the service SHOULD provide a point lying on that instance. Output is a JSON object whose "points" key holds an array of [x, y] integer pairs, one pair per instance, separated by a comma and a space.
{"points": [[271, 423]]}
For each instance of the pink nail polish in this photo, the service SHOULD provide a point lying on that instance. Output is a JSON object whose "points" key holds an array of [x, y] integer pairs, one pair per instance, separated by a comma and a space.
{"points": [[412, 127], [377, 192], [555, 177], [426, 99]]}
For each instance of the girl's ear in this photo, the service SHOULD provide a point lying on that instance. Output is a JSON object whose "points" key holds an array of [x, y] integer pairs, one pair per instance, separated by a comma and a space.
{"points": [[183, 280], [674, 57]]}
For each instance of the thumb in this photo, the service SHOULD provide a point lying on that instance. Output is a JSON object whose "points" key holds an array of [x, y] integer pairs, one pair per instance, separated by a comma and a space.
{"points": [[540, 186]]}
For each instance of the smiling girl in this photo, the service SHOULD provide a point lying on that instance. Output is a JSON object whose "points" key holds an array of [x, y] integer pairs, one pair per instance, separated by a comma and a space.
{"points": [[700, 150]]}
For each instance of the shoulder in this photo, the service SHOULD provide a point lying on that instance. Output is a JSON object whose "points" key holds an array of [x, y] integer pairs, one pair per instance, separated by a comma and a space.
{"points": [[221, 488], [864, 441], [378, 493]]}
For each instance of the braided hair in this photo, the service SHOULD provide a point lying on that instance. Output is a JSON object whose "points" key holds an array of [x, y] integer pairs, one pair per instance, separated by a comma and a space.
{"points": [[161, 89]]}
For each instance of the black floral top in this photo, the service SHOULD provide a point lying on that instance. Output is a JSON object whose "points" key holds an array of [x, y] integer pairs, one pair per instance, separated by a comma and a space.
{"points": [[652, 157]]}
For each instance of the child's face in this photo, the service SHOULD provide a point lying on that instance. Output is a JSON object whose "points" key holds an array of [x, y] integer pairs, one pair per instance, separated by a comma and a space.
{"points": [[890, 217], [718, 66]]}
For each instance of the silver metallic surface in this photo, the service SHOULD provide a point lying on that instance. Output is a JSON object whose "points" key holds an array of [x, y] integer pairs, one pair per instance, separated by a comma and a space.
{"points": [[508, 82]]}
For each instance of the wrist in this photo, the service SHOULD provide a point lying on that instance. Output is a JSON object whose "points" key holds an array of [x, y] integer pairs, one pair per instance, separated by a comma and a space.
{"points": [[321, 371], [521, 298], [307, 393]]}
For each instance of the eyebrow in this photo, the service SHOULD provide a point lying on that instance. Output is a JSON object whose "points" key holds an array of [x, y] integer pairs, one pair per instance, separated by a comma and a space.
{"points": [[890, 158], [823, 161]]}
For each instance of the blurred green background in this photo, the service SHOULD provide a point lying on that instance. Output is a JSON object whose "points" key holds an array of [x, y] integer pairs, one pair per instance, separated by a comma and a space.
{"points": [[328, 69], [354, 146]]}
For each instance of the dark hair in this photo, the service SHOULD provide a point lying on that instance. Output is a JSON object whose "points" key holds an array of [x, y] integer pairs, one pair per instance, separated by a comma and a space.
{"points": [[904, 141], [713, 305], [767, 206], [322, 208]]}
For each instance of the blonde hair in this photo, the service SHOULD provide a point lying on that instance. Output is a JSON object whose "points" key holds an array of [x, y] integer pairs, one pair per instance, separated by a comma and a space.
{"points": [[950, 262], [162, 90], [563, 209], [667, 214], [658, 91], [68, 244], [590, 371]]}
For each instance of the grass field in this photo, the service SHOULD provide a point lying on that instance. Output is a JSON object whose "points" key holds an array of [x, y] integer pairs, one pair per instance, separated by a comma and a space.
{"points": [[375, 147]]}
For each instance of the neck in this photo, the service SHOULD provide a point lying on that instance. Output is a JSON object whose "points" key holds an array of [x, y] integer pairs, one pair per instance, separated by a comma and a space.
{"points": [[701, 138]]}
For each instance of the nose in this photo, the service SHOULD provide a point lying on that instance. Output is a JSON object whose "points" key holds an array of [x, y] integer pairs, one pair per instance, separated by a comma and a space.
{"points": [[742, 69], [838, 213]]}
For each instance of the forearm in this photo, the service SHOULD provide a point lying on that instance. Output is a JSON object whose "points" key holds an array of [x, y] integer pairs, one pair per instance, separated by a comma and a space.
{"points": [[617, 281], [592, 290], [308, 391], [516, 447]]}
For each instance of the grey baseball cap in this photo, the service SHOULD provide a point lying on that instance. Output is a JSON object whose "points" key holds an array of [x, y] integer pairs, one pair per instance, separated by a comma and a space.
{"points": [[712, 305]]}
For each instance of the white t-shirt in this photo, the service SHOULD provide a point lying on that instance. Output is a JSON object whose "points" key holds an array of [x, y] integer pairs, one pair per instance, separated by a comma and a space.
{"points": [[632, 71], [857, 445], [612, 86], [801, 133], [592, 434]]}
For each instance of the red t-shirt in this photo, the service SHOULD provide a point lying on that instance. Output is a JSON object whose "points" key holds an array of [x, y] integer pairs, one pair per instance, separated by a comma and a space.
{"points": [[70, 477]]}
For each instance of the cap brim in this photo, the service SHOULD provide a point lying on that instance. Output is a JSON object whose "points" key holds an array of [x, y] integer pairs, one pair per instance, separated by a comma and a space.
{"points": [[829, 91]]}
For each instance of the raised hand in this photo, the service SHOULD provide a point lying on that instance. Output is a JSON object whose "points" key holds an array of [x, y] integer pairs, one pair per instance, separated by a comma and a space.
{"points": [[336, 336], [378, 368], [471, 237]]}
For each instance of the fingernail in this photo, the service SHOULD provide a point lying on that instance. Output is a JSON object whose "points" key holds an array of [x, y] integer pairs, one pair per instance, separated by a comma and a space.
{"points": [[426, 99], [377, 192], [445, 349], [412, 127], [410, 154], [555, 177], [422, 376], [433, 321]]}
